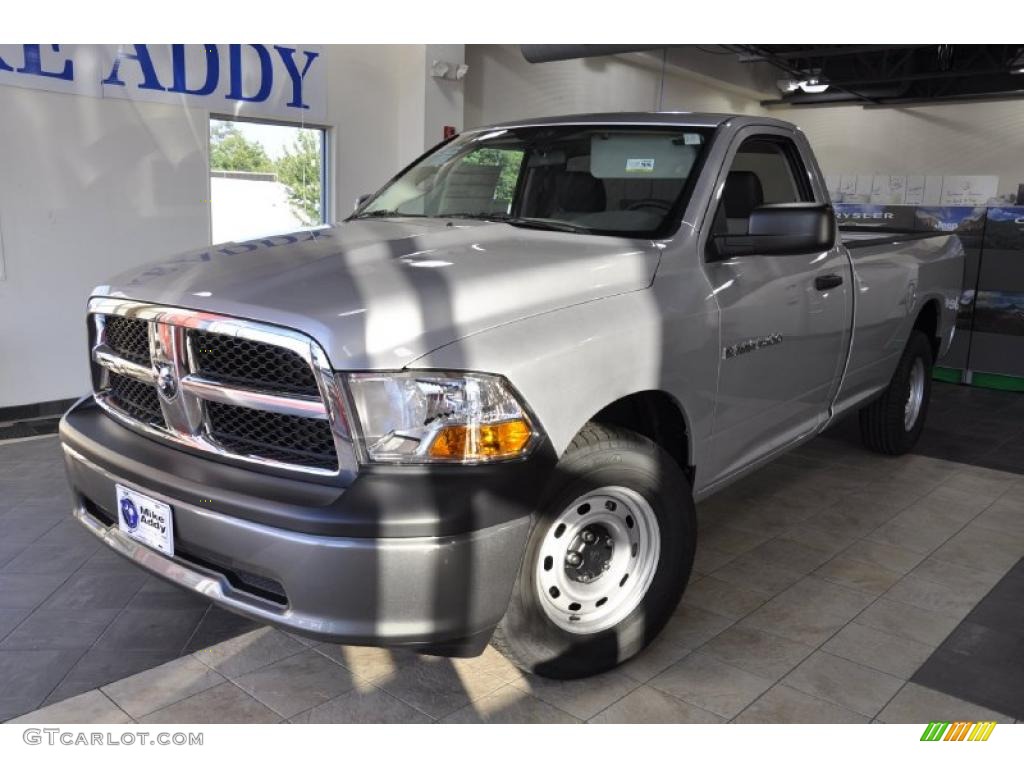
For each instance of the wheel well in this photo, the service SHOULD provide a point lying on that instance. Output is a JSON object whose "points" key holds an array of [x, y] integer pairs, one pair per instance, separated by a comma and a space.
{"points": [[657, 416], [928, 323]]}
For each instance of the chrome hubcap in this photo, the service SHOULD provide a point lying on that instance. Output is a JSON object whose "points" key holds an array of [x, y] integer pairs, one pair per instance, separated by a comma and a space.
{"points": [[915, 398], [597, 560]]}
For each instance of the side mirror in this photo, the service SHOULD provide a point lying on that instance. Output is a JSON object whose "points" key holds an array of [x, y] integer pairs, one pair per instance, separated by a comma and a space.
{"points": [[361, 199], [784, 229]]}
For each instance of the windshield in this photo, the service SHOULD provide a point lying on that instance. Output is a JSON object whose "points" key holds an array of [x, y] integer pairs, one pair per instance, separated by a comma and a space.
{"points": [[628, 181]]}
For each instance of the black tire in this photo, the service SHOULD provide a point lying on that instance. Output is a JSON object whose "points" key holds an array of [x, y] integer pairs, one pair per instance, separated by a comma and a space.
{"points": [[882, 427], [604, 456]]}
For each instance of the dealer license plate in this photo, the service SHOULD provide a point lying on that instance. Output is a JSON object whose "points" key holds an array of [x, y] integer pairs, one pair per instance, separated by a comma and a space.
{"points": [[145, 520]]}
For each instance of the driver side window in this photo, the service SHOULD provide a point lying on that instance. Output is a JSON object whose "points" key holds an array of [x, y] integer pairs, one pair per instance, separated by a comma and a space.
{"points": [[765, 171]]}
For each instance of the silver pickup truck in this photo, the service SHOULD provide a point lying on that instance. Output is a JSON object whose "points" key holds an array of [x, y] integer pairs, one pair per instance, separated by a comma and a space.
{"points": [[482, 408]]}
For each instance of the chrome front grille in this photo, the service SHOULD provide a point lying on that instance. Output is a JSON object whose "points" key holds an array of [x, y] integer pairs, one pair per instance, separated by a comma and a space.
{"points": [[136, 399], [128, 338], [291, 439], [245, 392], [250, 363]]}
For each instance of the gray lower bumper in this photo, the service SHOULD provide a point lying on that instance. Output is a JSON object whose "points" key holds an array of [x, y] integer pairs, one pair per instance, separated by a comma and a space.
{"points": [[437, 594]]}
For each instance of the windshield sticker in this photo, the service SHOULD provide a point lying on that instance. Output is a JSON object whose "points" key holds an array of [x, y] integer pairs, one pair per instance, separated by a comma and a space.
{"points": [[692, 138], [640, 165]]}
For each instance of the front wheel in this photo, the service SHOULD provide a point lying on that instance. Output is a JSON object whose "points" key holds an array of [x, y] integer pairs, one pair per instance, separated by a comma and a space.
{"points": [[893, 423], [607, 561]]}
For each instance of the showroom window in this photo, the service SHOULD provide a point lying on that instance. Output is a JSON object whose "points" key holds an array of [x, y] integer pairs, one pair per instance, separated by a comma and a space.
{"points": [[265, 178]]}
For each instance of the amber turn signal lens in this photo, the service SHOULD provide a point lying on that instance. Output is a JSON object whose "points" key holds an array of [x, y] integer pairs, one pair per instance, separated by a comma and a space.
{"points": [[481, 441]]}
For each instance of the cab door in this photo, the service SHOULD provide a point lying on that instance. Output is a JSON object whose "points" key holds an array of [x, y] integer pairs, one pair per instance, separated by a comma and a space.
{"points": [[785, 319]]}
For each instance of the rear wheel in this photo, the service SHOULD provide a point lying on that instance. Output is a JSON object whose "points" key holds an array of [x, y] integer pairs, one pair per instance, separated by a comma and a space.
{"points": [[893, 423], [607, 561]]}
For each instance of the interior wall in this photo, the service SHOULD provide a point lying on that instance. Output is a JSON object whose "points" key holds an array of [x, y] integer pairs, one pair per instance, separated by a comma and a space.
{"points": [[502, 85], [982, 138], [90, 187]]}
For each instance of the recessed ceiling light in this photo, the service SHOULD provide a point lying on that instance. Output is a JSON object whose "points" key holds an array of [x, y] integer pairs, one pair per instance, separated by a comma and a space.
{"points": [[814, 85]]}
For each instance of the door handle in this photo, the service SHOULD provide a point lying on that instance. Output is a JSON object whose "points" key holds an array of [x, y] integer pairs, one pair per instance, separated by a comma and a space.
{"points": [[824, 282]]}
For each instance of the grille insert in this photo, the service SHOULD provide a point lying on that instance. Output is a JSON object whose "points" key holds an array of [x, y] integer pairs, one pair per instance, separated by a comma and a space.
{"points": [[275, 436], [138, 401], [129, 338], [249, 363]]}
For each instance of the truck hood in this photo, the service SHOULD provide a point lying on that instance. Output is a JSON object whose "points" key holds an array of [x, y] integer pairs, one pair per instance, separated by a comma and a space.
{"points": [[381, 293]]}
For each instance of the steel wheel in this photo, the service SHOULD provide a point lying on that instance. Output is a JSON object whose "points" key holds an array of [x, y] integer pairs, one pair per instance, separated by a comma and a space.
{"points": [[597, 560], [912, 409]]}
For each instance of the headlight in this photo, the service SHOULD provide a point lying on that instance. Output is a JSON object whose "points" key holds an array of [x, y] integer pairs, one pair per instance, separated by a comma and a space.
{"points": [[415, 417]]}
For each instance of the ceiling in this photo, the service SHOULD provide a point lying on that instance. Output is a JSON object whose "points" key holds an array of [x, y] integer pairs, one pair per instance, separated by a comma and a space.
{"points": [[881, 75]]}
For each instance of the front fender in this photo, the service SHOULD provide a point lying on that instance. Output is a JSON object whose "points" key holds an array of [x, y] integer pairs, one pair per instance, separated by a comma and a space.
{"points": [[571, 363]]}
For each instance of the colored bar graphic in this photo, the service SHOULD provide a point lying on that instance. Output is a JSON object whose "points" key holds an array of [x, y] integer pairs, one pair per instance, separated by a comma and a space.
{"points": [[958, 731]]}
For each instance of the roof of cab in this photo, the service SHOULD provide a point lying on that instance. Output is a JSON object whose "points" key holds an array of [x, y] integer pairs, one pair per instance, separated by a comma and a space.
{"points": [[696, 119]]}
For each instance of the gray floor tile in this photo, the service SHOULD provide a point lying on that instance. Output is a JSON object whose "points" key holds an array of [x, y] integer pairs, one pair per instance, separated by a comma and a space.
{"points": [[1004, 515], [865, 645], [10, 618], [759, 653], [87, 708], [649, 705], [218, 626], [782, 704], [162, 686], [690, 627], [907, 621], [922, 540], [829, 544], [57, 629], [224, 703], [436, 688], [29, 676], [856, 574], [49, 560], [493, 663], [580, 698], [364, 704], [20, 590], [70, 534], [713, 594], [367, 663], [654, 659], [102, 666], [984, 548], [730, 540], [809, 612], [917, 704], [250, 651], [844, 683], [757, 574], [981, 481], [509, 705], [94, 590], [710, 684], [892, 558], [708, 560], [942, 598], [961, 578], [155, 594], [137, 629], [297, 683]]}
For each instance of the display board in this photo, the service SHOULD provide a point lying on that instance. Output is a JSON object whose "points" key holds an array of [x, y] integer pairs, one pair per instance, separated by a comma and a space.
{"points": [[997, 339], [990, 318], [887, 189]]}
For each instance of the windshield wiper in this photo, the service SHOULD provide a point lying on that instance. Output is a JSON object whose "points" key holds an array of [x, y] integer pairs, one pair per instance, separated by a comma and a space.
{"points": [[520, 221], [384, 214], [554, 226]]}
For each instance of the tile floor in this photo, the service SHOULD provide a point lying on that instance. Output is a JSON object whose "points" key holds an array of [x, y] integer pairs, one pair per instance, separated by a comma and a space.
{"points": [[822, 584]]}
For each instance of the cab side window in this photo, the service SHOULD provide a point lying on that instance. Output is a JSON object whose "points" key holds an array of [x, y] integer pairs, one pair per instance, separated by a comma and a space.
{"points": [[766, 170]]}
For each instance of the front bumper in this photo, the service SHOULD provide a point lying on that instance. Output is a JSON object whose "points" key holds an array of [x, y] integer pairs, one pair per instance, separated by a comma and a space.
{"points": [[275, 549]]}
